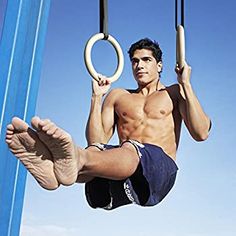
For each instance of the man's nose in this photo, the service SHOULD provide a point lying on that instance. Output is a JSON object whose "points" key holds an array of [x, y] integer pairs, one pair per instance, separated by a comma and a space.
{"points": [[140, 64]]}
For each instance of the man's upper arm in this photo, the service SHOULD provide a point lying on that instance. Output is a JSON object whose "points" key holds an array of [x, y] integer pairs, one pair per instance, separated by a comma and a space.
{"points": [[183, 111]]}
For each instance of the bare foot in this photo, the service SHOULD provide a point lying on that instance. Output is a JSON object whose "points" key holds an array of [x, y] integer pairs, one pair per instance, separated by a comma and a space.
{"points": [[24, 143], [65, 153]]}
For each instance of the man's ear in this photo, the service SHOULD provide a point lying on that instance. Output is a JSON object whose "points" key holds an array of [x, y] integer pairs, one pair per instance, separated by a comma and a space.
{"points": [[159, 67]]}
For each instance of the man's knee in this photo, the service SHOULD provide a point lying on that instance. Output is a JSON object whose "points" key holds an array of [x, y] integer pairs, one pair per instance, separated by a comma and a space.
{"points": [[129, 146], [133, 153]]}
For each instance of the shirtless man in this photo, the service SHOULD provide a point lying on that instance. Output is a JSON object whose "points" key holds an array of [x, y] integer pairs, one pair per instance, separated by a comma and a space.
{"points": [[142, 168]]}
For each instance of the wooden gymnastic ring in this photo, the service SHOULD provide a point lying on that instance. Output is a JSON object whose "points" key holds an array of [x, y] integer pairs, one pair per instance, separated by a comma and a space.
{"points": [[88, 60], [180, 46]]}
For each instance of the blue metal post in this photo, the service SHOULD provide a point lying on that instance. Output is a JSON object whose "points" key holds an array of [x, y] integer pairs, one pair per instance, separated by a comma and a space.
{"points": [[21, 49]]}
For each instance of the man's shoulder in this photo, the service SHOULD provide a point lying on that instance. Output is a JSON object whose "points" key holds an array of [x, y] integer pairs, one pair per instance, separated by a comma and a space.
{"points": [[118, 91], [174, 91], [115, 94], [174, 87]]}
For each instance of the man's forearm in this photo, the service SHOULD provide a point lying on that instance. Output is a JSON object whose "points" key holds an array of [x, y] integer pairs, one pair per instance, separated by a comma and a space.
{"points": [[94, 129], [198, 121]]}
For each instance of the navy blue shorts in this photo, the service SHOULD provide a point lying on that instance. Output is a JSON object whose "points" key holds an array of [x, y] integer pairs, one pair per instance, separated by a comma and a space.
{"points": [[150, 183]]}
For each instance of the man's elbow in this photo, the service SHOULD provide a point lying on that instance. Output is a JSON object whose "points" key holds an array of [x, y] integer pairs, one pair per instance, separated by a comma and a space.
{"points": [[201, 137], [203, 133]]}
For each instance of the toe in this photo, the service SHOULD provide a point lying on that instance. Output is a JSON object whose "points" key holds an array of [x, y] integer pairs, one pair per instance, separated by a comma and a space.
{"points": [[52, 130], [8, 141], [43, 123], [19, 125], [57, 134], [10, 128], [48, 126], [35, 123]]}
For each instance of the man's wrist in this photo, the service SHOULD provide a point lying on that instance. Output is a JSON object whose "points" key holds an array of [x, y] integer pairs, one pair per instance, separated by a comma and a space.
{"points": [[97, 96], [186, 85]]}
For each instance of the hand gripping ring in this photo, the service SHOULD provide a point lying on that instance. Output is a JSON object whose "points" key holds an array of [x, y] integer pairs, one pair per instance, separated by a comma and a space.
{"points": [[88, 60]]}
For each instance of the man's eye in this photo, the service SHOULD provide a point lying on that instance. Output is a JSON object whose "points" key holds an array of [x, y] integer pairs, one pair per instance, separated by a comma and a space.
{"points": [[147, 59], [134, 61]]}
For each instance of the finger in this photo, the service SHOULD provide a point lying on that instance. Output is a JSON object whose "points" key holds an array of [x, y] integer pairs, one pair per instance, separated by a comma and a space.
{"points": [[177, 69], [108, 81], [102, 82], [100, 76]]}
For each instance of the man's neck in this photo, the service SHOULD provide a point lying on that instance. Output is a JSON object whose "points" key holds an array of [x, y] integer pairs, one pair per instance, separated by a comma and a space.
{"points": [[150, 88]]}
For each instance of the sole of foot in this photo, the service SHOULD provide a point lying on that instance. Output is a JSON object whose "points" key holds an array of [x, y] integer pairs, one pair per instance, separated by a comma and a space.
{"points": [[25, 144], [64, 152]]}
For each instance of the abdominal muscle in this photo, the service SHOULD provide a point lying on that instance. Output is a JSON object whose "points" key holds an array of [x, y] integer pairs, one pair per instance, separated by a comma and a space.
{"points": [[157, 132], [152, 119]]}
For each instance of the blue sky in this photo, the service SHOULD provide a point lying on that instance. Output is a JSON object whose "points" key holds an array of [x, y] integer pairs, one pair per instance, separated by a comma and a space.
{"points": [[202, 202]]}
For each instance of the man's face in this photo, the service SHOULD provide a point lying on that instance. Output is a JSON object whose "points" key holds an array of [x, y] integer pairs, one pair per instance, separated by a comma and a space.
{"points": [[145, 67]]}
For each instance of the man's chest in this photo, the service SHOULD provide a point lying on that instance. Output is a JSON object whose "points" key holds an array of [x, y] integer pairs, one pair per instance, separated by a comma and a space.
{"points": [[136, 107]]}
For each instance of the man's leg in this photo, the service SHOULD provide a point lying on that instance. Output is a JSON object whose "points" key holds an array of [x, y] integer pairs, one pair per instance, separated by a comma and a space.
{"points": [[83, 178], [116, 164], [24, 143], [69, 160]]}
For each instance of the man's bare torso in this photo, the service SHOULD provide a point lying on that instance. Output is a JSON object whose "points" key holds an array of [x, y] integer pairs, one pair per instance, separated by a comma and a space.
{"points": [[153, 119]]}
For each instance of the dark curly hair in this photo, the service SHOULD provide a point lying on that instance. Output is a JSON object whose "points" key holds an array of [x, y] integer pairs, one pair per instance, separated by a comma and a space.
{"points": [[146, 43]]}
